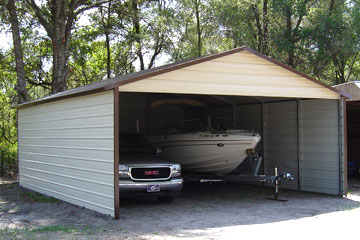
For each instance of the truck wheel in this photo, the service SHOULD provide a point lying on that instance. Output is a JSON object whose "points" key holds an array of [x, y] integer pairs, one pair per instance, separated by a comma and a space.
{"points": [[166, 199]]}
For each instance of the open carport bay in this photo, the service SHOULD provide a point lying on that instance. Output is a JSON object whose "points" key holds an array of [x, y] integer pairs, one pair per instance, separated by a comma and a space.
{"points": [[302, 137], [217, 211]]}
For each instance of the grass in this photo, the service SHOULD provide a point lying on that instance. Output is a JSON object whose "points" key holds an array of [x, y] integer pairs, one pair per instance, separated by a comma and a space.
{"points": [[17, 233], [88, 230], [37, 233], [56, 228], [10, 186], [37, 197]]}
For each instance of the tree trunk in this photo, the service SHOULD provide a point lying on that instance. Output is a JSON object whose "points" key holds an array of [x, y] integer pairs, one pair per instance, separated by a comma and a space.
{"points": [[157, 51], [2, 167], [136, 23], [20, 69], [265, 47], [57, 17], [108, 60], [289, 36], [339, 65], [60, 47], [198, 27], [331, 6], [106, 26], [258, 27]]}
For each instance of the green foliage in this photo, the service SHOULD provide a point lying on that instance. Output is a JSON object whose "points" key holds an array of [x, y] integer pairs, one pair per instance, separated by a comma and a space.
{"points": [[42, 232], [187, 31], [335, 41], [56, 228], [8, 131], [36, 197]]}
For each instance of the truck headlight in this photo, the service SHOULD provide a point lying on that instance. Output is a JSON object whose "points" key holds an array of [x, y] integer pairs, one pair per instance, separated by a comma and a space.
{"points": [[176, 171], [124, 171]]}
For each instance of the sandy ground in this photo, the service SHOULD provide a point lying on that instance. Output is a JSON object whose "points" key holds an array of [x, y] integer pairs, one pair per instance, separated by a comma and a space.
{"points": [[218, 211]]}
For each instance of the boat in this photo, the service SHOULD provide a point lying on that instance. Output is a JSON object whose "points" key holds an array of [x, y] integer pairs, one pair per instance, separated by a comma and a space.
{"points": [[205, 151]]}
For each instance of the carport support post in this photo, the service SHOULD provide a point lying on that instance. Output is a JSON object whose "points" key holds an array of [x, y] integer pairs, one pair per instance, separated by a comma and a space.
{"points": [[343, 147], [116, 154]]}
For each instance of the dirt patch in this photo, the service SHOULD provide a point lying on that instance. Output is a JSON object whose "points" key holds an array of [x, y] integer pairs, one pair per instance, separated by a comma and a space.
{"points": [[218, 211]]}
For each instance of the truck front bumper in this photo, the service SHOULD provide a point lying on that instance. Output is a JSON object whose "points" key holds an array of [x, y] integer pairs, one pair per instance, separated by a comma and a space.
{"points": [[171, 187]]}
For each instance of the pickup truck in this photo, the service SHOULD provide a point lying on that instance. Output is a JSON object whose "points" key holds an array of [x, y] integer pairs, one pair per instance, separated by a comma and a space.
{"points": [[143, 172]]}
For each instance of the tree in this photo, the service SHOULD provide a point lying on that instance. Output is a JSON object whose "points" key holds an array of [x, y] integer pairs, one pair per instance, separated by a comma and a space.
{"points": [[20, 69], [335, 40], [261, 26], [8, 97], [146, 26], [57, 18], [289, 31], [196, 30], [246, 23], [106, 25]]}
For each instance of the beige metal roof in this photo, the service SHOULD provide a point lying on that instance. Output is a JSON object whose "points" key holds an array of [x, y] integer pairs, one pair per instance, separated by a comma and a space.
{"points": [[240, 72]]}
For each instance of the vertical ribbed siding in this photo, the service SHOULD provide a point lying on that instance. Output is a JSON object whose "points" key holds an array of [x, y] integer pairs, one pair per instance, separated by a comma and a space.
{"points": [[66, 150], [281, 140], [319, 149]]}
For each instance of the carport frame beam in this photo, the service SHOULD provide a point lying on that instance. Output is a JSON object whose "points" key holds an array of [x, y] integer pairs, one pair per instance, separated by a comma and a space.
{"points": [[116, 155]]}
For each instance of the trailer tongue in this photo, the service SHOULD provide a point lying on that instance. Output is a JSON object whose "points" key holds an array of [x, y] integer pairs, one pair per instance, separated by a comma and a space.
{"points": [[255, 159]]}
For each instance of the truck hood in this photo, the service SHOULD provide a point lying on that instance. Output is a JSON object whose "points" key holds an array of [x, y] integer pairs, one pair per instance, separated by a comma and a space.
{"points": [[139, 158]]}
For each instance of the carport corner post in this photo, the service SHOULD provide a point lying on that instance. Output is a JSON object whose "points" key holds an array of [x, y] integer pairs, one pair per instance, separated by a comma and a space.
{"points": [[345, 145], [116, 154], [17, 136]]}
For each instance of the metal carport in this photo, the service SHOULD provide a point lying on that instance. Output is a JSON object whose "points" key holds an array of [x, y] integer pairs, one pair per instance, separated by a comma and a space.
{"points": [[68, 142]]}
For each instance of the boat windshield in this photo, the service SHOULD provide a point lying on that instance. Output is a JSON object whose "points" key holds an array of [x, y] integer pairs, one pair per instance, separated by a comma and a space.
{"points": [[187, 126], [220, 125]]}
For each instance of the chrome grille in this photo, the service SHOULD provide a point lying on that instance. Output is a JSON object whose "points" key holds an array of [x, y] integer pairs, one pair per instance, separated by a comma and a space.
{"points": [[152, 173]]}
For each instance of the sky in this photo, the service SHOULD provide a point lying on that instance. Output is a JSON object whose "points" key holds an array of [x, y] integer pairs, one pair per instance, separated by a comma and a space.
{"points": [[5, 40]]}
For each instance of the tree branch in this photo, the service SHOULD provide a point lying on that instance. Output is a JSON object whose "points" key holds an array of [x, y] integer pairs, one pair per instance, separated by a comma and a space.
{"points": [[81, 10], [5, 137], [45, 85], [351, 67], [40, 14], [300, 18]]}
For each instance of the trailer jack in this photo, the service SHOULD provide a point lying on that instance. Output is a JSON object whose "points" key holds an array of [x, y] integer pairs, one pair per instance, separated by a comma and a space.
{"points": [[278, 180]]}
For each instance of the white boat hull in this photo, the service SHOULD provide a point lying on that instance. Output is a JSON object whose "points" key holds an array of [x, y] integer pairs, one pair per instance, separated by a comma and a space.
{"points": [[207, 153]]}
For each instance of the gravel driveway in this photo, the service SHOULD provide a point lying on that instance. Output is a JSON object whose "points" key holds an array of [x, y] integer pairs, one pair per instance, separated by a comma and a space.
{"points": [[203, 211]]}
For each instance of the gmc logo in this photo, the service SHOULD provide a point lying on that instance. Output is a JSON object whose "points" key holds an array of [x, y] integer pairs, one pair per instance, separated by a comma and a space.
{"points": [[147, 173]]}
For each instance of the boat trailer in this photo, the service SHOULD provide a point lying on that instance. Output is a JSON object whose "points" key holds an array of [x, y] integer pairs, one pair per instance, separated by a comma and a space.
{"points": [[255, 160]]}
